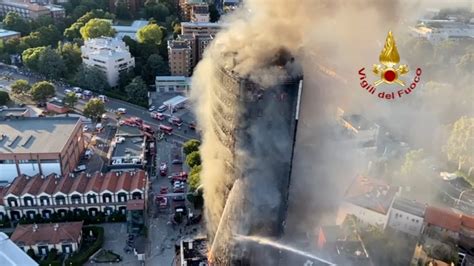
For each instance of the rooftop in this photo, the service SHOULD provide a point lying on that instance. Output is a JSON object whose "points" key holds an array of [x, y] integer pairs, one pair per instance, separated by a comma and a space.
{"points": [[31, 234], [201, 24], [82, 183], [12, 255], [131, 30], [371, 194], [36, 134], [409, 206], [124, 130], [126, 146], [194, 251], [178, 44], [136, 205], [444, 218], [6, 33], [4, 112]]}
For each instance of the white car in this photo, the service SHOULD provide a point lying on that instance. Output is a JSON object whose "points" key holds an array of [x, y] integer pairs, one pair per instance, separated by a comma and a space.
{"points": [[77, 89], [67, 91], [121, 111], [79, 95], [152, 108]]}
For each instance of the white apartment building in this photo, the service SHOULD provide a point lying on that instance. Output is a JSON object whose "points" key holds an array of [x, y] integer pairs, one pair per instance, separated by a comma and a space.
{"points": [[172, 83], [407, 216], [110, 55]]}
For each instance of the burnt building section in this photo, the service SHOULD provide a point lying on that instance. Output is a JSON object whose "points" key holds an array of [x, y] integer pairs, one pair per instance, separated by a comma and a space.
{"points": [[257, 125], [192, 252]]}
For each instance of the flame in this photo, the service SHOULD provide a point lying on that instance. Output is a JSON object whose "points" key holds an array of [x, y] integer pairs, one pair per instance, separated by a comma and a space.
{"points": [[389, 55], [210, 258]]}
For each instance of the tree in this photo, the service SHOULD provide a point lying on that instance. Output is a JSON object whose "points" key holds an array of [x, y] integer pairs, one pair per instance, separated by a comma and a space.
{"points": [[15, 22], [193, 159], [95, 28], [137, 90], [94, 109], [214, 15], [122, 11], [12, 46], [70, 99], [31, 57], [41, 91], [412, 158], [20, 86], [155, 9], [71, 54], [460, 144], [191, 145], [195, 178], [51, 64], [91, 78], [151, 34], [4, 97], [73, 32], [155, 66]]}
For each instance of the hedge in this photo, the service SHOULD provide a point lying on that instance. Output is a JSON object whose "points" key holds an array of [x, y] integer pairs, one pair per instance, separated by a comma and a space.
{"points": [[82, 256], [52, 259]]}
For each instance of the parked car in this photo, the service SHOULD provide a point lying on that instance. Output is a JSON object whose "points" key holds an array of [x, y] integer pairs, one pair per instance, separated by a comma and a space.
{"points": [[103, 98], [152, 108], [67, 91], [87, 93], [163, 169], [77, 90], [121, 111], [177, 161], [175, 121], [79, 95], [162, 108], [157, 116]]}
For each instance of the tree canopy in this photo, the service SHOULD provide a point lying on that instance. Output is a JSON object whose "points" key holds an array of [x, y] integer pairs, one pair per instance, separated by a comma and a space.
{"points": [[4, 97], [195, 178], [412, 158], [13, 21], [71, 54], [31, 57], [151, 34], [41, 91], [70, 99], [94, 109], [44, 60], [137, 90], [91, 78], [460, 144], [20, 86], [193, 159], [73, 32], [191, 145], [155, 66], [96, 28]]}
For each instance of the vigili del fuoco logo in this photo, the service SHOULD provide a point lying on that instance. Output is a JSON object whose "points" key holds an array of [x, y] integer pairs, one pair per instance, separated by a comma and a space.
{"points": [[390, 74]]}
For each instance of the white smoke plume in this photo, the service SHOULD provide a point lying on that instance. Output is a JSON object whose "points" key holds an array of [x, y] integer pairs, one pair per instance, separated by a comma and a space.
{"points": [[331, 39]]}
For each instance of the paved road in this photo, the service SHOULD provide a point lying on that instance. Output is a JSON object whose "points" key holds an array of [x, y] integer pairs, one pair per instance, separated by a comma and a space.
{"points": [[113, 104]]}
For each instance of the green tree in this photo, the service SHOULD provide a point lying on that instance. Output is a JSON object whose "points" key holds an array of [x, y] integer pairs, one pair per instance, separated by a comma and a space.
{"points": [[73, 32], [195, 178], [31, 57], [214, 15], [70, 99], [71, 54], [91, 78], [41, 91], [4, 97], [122, 11], [95, 28], [412, 158], [94, 109], [155, 66], [20, 86], [151, 34], [155, 9], [191, 145], [12, 46], [460, 144], [193, 159], [137, 90], [51, 64], [15, 22]]}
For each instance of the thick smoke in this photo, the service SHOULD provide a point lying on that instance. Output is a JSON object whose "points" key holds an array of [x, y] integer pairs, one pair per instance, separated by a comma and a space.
{"points": [[331, 39]]}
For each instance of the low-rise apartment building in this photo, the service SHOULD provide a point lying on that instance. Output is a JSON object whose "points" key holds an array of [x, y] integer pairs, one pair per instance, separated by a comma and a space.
{"points": [[109, 55], [407, 216], [94, 193], [201, 28], [39, 145], [369, 200], [200, 13], [30, 9], [42, 238]]}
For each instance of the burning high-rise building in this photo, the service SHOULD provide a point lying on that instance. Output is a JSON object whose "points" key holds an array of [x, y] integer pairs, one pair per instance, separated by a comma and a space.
{"points": [[256, 125]]}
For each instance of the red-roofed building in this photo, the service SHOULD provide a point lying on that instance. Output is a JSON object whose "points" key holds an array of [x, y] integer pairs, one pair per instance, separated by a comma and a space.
{"points": [[442, 221], [88, 192], [64, 237], [466, 234], [370, 200]]}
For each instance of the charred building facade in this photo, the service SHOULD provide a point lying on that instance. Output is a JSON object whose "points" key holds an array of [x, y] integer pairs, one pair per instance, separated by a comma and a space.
{"points": [[257, 125]]}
